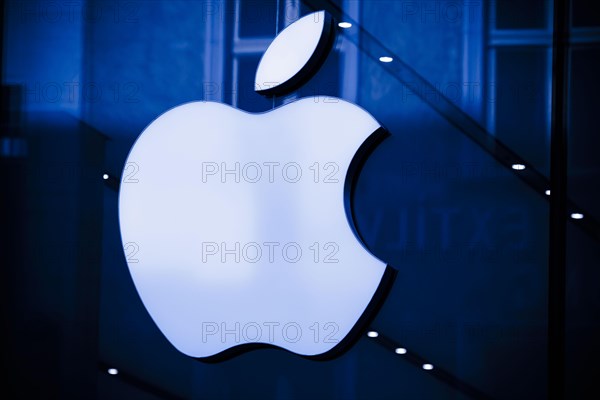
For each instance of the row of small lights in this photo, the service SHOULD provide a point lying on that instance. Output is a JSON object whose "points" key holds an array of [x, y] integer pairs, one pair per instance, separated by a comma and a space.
{"points": [[371, 334], [347, 25], [400, 350], [516, 167], [521, 167]]}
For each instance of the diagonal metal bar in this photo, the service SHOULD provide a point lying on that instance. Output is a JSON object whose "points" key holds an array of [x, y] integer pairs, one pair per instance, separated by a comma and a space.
{"points": [[409, 77], [138, 383], [437, 372]]}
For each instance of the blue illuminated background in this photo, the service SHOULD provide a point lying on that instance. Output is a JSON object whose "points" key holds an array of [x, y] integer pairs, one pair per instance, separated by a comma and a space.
{"points": [[469, 238]]}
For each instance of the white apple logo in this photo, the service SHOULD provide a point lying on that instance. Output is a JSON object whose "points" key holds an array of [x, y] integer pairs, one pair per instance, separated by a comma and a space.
{"points": [[235, 228]]}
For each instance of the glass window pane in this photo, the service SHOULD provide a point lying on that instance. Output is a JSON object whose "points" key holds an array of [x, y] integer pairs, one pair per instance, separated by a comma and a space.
{"points": [[257, 18], [584, 140], [522, 103], [516, 14], [583, 14]]}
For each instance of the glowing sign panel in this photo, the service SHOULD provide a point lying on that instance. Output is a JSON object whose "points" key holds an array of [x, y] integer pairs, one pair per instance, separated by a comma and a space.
{"points": [[235, 227]]}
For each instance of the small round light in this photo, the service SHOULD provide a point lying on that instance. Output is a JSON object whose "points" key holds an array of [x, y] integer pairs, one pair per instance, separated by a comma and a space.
{"points": [[427, 367], [386, 59], [400, 350], [113, 371], [548, 192], [345, 25], [577, 216], [518, 167], [372, 334], [105, 176]]}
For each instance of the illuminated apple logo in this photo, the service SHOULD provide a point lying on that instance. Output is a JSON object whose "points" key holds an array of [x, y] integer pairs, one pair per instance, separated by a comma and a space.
{"points": [[237, 227]]}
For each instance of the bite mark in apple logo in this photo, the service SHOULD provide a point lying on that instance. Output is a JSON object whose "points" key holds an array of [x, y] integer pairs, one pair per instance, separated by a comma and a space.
{"points": [[242, 223]]}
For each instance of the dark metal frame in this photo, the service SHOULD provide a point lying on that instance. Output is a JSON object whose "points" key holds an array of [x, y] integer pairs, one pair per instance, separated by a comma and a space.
{"points": [[558, 202]]}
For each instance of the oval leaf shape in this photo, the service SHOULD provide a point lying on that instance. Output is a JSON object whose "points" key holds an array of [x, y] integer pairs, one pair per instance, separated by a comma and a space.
{"points": [[295, 55]]}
